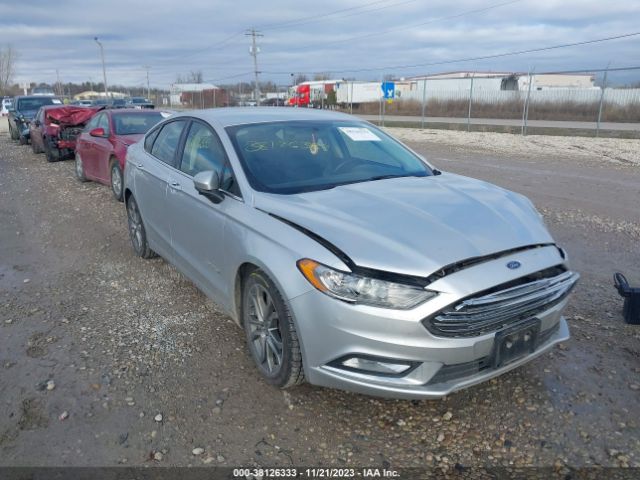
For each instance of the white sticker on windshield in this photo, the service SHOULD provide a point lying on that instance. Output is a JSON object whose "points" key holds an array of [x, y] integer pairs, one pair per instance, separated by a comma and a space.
{"points": [[360, 134]]}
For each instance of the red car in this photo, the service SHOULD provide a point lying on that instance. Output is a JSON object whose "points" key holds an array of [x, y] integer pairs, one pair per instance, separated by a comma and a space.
{"points": [[55, 128], [102, 146]]}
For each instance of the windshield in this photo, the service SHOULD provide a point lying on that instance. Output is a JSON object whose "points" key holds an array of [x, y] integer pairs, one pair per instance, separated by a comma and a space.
{"points": [[28, 104], [303, 156], [135, 123]]}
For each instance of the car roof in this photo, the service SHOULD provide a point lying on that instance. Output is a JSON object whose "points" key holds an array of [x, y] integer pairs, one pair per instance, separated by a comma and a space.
{"points": [[243, 115], [135, 111]]}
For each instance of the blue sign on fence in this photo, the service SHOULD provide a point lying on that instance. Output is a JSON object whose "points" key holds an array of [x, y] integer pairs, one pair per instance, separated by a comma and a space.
{"points": [[388, 90]]}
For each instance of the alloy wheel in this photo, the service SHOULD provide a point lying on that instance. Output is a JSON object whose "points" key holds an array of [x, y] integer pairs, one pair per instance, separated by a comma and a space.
{"points": [[135, 225], [264, 330], [116, 180]]}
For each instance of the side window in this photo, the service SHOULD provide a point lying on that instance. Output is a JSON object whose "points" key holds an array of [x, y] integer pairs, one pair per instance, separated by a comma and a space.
{"points": [[93, 123], [164, 148], [103, 122], [228, 182], [148, 141], [202, 151]]}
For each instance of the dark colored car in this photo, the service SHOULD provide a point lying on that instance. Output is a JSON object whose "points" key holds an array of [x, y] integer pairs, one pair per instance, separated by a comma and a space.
{"points": [[119, 103], [102, 146], [23, 110], [140, 102], [100, 102], [55, 128]]}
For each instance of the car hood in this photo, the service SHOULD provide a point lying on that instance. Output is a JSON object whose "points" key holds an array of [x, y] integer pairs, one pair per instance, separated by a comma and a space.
{"points": [[412, 225]]}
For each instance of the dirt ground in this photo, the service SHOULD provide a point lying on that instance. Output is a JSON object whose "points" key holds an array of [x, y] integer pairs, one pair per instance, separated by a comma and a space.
{"points": [[141, 364]]}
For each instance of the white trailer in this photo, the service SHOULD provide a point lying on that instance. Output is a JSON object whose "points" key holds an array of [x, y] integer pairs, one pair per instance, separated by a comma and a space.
{"points": [[357, 92]]}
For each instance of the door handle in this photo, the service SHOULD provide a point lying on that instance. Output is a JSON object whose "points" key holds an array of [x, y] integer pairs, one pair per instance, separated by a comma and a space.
{"points": [[140, 166], [174, 185]]}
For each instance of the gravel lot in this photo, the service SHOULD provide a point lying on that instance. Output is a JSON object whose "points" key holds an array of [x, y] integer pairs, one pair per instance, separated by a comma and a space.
{"points": [[142, 369]]}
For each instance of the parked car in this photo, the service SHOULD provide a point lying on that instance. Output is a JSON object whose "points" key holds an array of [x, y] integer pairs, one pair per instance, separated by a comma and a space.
{"points": [[43, 90], [55, 128], [23, 110], [140, 102], [82, 103], [100, 102], [102, 146], [119, 103], [6, 106], [346, 257]]}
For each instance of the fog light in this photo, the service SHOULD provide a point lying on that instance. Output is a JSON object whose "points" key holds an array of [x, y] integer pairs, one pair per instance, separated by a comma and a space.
{"points": [[374, 365]]}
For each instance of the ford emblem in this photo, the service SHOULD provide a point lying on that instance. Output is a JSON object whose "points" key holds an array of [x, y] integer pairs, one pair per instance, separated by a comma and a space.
{"points": [[513, 265]]}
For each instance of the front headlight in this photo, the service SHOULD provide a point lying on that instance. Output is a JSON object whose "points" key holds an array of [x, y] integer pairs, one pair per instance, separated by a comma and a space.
{"points": [[363, 290]]}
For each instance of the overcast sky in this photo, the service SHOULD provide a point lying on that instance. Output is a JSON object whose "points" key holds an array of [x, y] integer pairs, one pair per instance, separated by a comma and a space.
{"points": [[178, 36]]}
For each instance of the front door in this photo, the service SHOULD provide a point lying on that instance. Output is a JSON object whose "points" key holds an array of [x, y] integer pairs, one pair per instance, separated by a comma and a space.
{"points": [[197, 224]]}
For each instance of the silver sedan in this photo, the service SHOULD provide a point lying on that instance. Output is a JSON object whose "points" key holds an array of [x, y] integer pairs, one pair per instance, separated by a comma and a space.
{"points": [[348, 260]]}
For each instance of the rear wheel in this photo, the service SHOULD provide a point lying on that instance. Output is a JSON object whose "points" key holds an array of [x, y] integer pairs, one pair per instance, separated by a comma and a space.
{"points": [[271, 333], [137, 232], [79, 169], [116, 180]]}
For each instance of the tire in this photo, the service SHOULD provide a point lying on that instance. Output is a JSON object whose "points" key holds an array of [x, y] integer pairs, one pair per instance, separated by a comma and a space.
{"points": [[79, 169], [117, 182], [52, 153], [137, 232], [271, 334], [35, 148], [14, 133]]}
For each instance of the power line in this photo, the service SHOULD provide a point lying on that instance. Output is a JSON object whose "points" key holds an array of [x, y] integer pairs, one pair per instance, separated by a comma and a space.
{"points": [[421, 24], [469, 59], [323, 17]]}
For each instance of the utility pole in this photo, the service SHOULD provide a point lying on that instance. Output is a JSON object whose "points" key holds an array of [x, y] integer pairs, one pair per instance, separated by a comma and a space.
{"points": [[104, 70], [254, 52], [147, 67], [58, 89]]}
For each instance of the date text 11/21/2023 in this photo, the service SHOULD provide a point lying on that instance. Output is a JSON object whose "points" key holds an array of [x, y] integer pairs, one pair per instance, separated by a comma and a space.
{"points": [[316, 472]]}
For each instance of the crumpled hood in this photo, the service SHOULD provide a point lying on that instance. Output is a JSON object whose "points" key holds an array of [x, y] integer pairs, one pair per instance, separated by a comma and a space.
{"points": [[412, 225]]}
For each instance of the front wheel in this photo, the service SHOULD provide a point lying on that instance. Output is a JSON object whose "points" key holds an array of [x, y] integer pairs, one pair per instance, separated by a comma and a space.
{"points": [[51, 152], [13, 132], [137, 232], [116, 181], [271, 333], [35, 148]]}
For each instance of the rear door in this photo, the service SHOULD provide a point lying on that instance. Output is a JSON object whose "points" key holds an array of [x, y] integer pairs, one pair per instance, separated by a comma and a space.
{"points": [[198, 225], [151, 178]]}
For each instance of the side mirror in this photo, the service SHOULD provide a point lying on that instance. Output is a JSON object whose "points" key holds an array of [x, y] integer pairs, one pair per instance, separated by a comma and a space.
{"points": [[97, 132], [207, 183]]}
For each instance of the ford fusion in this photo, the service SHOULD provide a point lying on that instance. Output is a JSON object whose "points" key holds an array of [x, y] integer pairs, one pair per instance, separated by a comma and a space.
{"points": [[348, 260]]}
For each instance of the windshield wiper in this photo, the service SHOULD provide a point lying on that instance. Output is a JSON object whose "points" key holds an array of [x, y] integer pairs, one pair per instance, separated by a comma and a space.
{"points": [[384, 177]]}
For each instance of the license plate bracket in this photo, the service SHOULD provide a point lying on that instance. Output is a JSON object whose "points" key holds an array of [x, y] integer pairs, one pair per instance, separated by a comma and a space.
{"points": [[515, 342]]}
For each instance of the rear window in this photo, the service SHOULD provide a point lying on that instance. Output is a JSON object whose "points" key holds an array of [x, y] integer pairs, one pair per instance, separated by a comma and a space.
{"points": [[135, 123]]}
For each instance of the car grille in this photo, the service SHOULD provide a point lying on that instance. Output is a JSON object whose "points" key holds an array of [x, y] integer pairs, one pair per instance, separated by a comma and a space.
{"points": [[70, 133], [501, 308]]}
